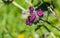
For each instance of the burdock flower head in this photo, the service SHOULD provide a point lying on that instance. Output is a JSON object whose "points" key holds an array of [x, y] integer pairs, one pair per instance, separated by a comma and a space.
{"points": [[40, 13], [30, 19], [28, 22], [33, 15], [31, 9]]}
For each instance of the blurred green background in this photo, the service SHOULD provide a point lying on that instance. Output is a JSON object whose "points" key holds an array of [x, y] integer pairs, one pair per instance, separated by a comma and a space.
{"points": [[12, 25]]}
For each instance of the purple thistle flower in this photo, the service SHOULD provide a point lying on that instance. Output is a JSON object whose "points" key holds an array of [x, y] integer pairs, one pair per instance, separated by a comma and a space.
{"points": [[31, 8], [33, 16], [28, 22], [40, 13]]}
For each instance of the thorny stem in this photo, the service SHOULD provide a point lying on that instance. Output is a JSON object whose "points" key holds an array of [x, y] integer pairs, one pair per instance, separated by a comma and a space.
{"points": [[14, 3], [17, 5]]}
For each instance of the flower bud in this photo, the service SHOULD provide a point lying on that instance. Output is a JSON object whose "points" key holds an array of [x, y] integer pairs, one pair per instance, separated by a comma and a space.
{"points": [[31, 8], [28, 22], [40, 13], [32, 17]]}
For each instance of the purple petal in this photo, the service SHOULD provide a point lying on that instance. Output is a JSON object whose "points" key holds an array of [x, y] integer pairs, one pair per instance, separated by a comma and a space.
{"points": [[33, 16], [31, 8], [28, 22], [40, 13]]}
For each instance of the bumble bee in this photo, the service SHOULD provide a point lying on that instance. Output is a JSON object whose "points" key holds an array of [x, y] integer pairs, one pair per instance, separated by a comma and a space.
{"points": [[44, 4]]}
